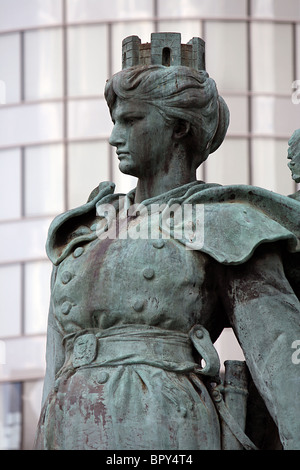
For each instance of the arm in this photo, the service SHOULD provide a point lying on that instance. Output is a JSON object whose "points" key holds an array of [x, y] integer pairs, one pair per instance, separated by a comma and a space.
{"points": [[54, 349], [265, 314]]}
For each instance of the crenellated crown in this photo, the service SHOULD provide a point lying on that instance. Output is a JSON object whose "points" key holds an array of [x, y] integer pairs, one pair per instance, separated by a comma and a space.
{"points": [[164, 49]]}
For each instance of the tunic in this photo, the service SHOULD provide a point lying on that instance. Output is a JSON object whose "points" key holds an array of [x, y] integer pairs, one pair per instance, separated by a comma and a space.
{"points": [[120, 357]]}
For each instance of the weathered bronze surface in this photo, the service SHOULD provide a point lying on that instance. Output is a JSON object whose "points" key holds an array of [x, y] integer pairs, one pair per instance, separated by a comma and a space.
{"points": [[144, 283], [294, 157]]}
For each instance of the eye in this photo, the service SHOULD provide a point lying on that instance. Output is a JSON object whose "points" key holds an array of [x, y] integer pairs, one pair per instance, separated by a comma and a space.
{"points": [[130, 120]]}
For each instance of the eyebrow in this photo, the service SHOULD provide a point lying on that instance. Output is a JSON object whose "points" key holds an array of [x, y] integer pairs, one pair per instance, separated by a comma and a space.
{"points": [[128, 114]]}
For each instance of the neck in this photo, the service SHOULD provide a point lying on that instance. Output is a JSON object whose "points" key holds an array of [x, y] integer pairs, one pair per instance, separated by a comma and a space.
{"points": [[148, 187]]}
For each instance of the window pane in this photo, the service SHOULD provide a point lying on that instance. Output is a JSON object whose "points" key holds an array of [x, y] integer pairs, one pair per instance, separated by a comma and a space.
{"points": [[238, 108], [82, 10], [32, 397], [10, 416], [188, 28], [88, 166], [142, 29], [10, 66], [229, 164], [44, 180], [10, 300], [31, 123], [274, 116], [298, 55], [202, 8], [87, 54], [272, 57], [25, 358], [27, 240], [37, 296], [269, 166], [275, 8], [16, 14], [43, 64], [226, 55], [10, 188], [89, 118]]}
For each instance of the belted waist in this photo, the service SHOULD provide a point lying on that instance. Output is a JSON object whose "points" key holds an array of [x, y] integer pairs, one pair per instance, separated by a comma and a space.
{"points": [[135, 344]]}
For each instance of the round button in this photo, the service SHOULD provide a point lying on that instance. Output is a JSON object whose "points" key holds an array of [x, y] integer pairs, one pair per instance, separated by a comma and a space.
{"points": [[199, 334], [138, 305], [148, 273], [66, 277], [158, 243], [102, 377], [66, 307], [78, 251]]}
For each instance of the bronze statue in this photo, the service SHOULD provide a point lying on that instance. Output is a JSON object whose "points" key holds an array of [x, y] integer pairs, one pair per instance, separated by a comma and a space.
{"points": [[294, 156], [144, 283]]}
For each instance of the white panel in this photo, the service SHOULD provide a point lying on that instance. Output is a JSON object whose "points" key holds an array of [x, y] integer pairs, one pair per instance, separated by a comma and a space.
{"points": [[10, 300], [229, 164], [88, 166], [88, 61], [215, 8], [274, 116], [37, 296], [10, 187], [10, 67], [43, 64], [44, 180], [26, 13], [30, 123], [269, 166], [276, 8], [89, 118], [82, 10], [238, 108], [272, 57], [26, 240], [10, 416], [226, 55], [25, 358]]}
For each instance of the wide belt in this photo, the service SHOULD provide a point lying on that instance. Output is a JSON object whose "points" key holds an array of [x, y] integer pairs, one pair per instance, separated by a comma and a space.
{"points": [[140, 344]]}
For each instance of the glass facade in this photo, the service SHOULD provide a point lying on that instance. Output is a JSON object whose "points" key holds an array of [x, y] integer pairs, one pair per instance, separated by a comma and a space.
{"points": [[55, 56]]}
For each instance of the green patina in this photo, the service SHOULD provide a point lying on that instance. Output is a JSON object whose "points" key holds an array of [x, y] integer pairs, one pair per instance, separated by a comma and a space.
{"points": [[131, 316]]}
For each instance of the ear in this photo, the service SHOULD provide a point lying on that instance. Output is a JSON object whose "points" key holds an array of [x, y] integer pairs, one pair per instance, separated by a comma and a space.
{"points": [[181, 129]]}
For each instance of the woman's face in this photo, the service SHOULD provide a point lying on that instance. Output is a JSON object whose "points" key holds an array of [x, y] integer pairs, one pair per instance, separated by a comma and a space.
{"points": [[294, 164], [142, 138]]}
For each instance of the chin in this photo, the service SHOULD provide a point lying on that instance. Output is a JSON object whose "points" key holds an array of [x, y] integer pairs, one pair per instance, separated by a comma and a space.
{"points": [[127, 169]]}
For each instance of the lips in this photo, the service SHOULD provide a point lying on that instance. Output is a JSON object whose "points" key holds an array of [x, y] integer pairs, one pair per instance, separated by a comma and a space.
{"points": [[122, 154]]}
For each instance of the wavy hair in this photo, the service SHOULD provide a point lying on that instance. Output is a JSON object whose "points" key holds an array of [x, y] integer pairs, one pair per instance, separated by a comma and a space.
{"points": [[179, 93]]}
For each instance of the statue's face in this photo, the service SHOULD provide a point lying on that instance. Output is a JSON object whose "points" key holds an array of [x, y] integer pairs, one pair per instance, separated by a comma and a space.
{"points": [[294, 164], [142, 138]]}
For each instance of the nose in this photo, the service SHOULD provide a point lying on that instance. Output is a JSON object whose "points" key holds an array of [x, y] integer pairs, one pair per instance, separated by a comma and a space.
{"points": [[117, 136]]}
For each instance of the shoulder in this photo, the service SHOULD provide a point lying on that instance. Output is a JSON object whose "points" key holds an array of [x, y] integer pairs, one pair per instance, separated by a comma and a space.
{"points": [[237, 219], [75, 225]]}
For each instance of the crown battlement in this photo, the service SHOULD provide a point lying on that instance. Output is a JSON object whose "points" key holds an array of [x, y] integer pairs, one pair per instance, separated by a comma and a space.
{"points": [[164, 49]]}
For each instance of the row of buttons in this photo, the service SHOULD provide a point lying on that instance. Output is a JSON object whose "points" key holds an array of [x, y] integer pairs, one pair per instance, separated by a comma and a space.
{"points": [[148, 274]]}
